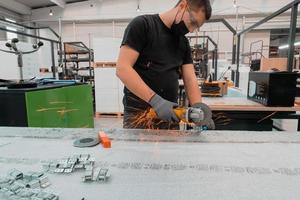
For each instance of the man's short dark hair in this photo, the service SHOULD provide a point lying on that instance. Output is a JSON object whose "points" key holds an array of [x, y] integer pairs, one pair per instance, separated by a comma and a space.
{"points": [[196, 4]]}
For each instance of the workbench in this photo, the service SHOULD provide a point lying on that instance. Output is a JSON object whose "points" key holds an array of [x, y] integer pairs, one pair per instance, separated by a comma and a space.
{"points": [[153, 164], [244, 114]]}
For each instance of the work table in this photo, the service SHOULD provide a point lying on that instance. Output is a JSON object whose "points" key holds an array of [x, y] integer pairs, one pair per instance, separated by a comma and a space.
{"points": [[153, 164]]}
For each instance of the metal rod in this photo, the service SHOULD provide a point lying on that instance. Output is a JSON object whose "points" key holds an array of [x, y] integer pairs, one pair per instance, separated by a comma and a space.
{"points": [[29, 35], [234, 50], [204, 36], [292, 37], [237, 75], [90, 57], [215, 52], [53, 60], [216, 64], [20, 65], [275, 14], [32, 28], [224, 22], [213, 67]]}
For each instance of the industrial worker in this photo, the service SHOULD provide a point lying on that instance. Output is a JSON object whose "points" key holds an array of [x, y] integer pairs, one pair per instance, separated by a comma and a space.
{"points": [[153, 54]]}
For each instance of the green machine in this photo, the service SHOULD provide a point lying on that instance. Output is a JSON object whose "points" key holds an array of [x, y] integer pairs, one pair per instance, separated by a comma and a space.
{"points": [[55, 105]]}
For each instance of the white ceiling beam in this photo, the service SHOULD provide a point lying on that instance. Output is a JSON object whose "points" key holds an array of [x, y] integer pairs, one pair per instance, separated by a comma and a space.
{"points": [[16, 7], [60, 3]]}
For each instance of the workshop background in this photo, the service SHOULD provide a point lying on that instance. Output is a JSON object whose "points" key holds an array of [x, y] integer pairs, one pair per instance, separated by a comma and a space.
{"points": [[60, 97]]}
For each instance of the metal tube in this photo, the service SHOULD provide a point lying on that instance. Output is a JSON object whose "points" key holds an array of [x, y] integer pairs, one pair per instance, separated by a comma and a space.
{"points": [[90, 57], [224, 22], [237, 81], [53, 60], [275, 14], [216, 64], [234, 50], [292, 37], [28, 35], [213, 65], [29, 27], [20, 64]]}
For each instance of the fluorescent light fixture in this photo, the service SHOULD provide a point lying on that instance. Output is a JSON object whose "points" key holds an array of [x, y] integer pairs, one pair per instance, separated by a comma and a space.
{"points": [[234, 4], [287, 46], [51, 13], [138, 8]]}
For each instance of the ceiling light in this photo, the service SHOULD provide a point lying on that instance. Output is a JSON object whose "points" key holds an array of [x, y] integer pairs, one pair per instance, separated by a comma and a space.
{"points": [[287, 46], [138, 9], [234, 4], [51, 13]]}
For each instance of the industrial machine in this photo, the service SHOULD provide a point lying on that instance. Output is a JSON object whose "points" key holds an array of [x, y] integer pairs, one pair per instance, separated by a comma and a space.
{"points": [[273, 88]]}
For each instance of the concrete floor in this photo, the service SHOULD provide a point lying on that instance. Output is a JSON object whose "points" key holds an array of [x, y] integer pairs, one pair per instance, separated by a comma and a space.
{"points": [[108, 122]]}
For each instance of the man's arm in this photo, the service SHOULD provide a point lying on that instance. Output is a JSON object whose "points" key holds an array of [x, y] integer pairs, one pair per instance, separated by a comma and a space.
{"points": [[191, 84], [131, 79], [129, 76]]}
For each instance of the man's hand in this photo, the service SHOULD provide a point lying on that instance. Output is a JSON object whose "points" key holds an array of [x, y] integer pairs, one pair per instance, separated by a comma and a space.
{"points": [[163, 108]]}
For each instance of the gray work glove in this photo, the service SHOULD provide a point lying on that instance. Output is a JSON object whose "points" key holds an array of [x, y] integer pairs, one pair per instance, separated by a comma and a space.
{"points": [[164, 108], [208, 122]]}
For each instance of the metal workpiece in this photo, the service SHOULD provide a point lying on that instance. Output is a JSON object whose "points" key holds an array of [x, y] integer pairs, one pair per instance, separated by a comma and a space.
{"points": [[103, 175], [25, 186], [16, 174], [69, 165]]}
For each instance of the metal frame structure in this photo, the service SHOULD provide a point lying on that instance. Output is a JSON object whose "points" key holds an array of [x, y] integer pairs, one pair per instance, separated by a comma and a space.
{"points": [[234, 45], [88, 51], [52, 42], [292, 35], [223, 21], [215, 52]]}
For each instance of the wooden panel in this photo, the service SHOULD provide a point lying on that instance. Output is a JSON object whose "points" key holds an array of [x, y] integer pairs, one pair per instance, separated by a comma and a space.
{"points": [[269, 63]]}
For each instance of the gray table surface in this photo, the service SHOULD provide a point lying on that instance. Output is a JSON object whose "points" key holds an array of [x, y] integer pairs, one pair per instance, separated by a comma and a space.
{"points": [[164, 164]]}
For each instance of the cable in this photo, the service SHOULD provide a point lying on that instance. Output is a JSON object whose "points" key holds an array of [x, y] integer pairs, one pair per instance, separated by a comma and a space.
{"points": [[224, 72]]}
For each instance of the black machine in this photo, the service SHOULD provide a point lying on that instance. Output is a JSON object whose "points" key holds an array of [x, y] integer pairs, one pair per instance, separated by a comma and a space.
{"points": [[276, 89]]}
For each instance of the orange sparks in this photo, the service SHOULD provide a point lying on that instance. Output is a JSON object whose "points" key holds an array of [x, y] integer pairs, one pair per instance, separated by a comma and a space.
{"points": [[145, 119]]}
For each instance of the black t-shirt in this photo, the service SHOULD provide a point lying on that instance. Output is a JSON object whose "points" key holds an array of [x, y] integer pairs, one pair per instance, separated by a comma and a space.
{"points": [[161, 54]]}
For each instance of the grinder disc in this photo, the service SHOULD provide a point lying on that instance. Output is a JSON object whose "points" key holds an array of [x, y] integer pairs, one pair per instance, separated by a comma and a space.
{"points": [[207, 113], [86, 142]]}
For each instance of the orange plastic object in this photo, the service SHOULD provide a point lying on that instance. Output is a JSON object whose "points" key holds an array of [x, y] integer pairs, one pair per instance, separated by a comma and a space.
{"points": [[104, 140]]}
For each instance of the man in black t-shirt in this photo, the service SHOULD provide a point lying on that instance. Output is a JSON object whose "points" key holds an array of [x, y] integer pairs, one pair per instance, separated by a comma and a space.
{"points": [[153, 50]]}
